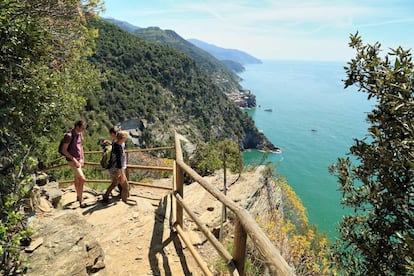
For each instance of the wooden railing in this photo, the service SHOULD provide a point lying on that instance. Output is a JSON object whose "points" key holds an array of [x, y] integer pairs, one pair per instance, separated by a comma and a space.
{"points": [[245, 226]]}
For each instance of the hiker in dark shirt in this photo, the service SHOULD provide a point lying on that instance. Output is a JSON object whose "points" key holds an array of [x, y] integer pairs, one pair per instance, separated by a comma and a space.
{"points": [[118, 167], [73, 151], [112, 132]]}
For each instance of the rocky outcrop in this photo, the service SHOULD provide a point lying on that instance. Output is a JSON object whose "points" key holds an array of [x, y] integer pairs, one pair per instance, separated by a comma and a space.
{"points": [[259, 196], [252, 140], [68, 247], [62, 242]]}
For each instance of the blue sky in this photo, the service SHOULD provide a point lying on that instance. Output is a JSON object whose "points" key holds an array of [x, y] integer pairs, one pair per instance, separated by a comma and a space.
{"points": [[275, 29]]}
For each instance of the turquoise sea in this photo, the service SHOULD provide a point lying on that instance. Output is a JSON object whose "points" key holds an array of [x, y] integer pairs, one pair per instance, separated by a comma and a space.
{"points": [[314, 121]]}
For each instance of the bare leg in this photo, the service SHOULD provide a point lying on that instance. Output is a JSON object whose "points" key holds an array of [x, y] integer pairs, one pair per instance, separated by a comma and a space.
{"points": [[79, 183], [125, 191], [111, 187], [76, 183]]}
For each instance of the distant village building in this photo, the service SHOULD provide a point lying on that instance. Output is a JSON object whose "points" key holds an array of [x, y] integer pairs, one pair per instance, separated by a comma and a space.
{"points": [[243, 98]]}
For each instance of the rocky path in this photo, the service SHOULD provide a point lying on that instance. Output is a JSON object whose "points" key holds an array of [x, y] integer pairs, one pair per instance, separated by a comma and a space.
{"points": [[134, 238]]}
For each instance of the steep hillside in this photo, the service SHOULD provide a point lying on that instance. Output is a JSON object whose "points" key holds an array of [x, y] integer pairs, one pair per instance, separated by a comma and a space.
{"points": [[164, 90], [220, 73]]}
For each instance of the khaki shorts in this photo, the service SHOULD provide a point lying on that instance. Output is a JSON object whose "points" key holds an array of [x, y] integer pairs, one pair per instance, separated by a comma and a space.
{"points": [[76, 171]]}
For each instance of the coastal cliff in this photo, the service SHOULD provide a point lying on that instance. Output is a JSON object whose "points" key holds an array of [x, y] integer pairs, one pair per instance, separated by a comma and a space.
{"points": [[259, 141]]}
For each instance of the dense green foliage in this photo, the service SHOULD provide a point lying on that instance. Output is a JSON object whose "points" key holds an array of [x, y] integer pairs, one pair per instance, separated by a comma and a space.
{"points": [[214, 155], [40, 55], [378, 238], [166, 88], [221, 74], [43, 74]]}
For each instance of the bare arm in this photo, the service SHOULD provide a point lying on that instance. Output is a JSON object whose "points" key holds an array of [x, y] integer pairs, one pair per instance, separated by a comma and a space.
{"points": [[65, 151], [82, 160], [69, 156]]}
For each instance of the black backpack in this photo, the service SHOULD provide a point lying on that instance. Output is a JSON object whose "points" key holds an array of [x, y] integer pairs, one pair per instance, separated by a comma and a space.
{"points": [[61, 143]]}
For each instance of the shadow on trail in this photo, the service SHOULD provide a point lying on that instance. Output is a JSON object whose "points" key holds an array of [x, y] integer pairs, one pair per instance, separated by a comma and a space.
{"points": [[98, 204], [158, 245]]}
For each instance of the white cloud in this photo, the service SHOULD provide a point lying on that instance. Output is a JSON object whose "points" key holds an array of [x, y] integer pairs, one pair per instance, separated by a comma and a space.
{"points": [[271, 27]]}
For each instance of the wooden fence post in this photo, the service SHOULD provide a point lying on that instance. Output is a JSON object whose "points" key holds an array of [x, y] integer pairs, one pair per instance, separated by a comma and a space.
{"points": [[178, 188], [178, 181], [239, 251]]}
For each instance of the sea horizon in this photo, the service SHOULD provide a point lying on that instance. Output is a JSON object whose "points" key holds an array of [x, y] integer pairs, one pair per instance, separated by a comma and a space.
{"points": [[313, 120]]}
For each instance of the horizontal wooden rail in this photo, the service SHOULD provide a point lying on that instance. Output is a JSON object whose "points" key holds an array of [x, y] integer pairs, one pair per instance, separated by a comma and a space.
{"points": [[131, 150], [127, 151], [55, 160], [149, 185], [98, 165], [136, 167], [150, 168], [150, 149], [55, 167], [98, 181]]}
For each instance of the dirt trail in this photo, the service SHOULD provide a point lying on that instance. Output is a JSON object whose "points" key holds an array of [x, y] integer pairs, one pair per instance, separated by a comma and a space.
{"points": [[136, 237]]}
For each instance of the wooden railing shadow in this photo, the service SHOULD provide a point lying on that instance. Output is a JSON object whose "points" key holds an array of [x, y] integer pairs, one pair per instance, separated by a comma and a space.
{"points": [[158, 245], [245, 226]]}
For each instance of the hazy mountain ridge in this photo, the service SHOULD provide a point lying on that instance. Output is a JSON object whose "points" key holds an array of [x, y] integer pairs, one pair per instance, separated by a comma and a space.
{"points": [[226, 54], [122, 24], [232, 58]]}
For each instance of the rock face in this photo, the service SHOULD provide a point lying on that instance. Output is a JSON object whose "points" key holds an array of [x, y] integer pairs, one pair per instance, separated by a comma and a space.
{"points": [[52, 193], [251, 191], [68, 246], [44, 195], [254, 141]]}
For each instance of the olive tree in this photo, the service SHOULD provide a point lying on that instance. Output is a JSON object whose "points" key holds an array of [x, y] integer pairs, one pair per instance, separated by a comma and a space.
{"points": [[214, 155], [377, 236]]}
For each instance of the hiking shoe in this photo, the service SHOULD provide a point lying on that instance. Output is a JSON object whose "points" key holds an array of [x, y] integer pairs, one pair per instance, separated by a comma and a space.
{"points": [[83, 205], [105, 199], [119, 188]]}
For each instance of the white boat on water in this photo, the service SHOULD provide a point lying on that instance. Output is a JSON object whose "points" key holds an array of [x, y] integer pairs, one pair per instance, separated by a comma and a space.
{"points": [[268, 109]]}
